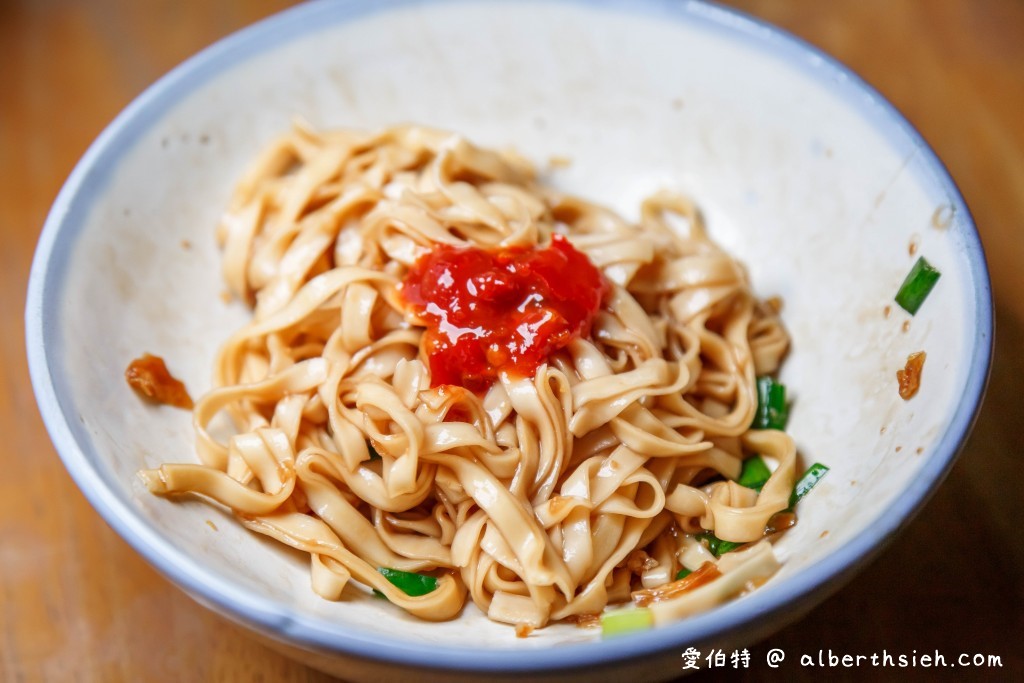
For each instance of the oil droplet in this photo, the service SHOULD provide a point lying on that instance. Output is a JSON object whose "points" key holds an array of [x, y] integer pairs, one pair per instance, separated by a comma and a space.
{"points": [[943, 216]]}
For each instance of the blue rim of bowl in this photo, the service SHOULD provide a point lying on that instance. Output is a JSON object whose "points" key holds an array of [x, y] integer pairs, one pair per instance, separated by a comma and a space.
{"points": [[808, 587]]}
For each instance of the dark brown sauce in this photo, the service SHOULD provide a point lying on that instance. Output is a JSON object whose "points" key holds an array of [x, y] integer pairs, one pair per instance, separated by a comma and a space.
{"points": [[780, 521]]}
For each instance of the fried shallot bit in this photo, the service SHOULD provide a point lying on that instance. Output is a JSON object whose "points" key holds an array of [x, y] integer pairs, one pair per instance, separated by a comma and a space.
{"points": [[910, 376], [585, 620], [707, 573], [639, 561], [523, 630], [148, 375]]}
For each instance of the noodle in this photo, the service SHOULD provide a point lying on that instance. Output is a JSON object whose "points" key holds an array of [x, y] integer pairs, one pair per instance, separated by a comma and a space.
{"points": [[535, 495]]}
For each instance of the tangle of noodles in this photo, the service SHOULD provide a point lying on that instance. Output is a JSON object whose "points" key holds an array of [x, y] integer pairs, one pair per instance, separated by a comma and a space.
{"points": [[544, 497]]}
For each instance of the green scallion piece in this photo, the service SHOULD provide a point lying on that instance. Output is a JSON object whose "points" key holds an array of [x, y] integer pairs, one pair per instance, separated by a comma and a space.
{"points": [[754, 474], [621, 621], [683, 573], [917, 286], [717, 546], [811, 477], [411, 584], [772, 411]]}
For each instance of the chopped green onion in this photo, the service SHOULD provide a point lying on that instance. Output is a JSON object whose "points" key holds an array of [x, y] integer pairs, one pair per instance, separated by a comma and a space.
{"points": [[716, 545], [916, 287], [754, 474], [411, 584], [772, 412], [683, 573], [811, 477], [374, 455], [621, 621]]}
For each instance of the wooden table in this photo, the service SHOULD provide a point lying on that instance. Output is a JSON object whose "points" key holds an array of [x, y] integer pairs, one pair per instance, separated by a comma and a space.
{"points": [[78, 603]]}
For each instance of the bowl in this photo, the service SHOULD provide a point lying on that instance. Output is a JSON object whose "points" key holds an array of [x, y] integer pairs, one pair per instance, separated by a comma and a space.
{"points": [[800, 169]]}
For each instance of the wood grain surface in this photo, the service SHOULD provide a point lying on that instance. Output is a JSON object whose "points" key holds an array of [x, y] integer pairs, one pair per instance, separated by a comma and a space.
{"points": [[78, 604]]}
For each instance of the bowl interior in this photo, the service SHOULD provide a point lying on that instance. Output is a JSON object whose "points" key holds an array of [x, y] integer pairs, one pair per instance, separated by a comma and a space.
{"points": [[803, 173]]}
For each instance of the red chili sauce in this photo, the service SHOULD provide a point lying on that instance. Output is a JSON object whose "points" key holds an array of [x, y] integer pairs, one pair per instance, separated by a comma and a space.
{"points": [[500, 310]]}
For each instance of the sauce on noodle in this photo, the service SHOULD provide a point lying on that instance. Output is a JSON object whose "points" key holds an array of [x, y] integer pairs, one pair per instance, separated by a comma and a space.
{"points": [[500, 310]]}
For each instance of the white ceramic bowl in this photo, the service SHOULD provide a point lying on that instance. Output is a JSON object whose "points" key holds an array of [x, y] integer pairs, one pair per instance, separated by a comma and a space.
{"points": [[802, 170]]}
